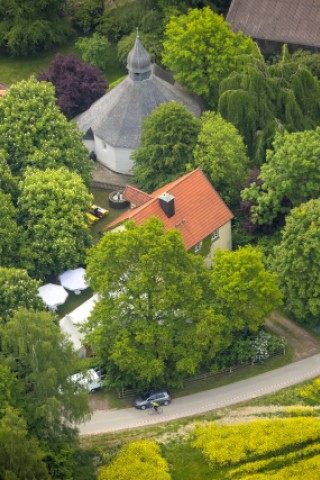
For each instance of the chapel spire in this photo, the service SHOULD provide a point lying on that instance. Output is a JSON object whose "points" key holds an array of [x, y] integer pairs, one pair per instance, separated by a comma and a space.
{"points": [[138, 62]]}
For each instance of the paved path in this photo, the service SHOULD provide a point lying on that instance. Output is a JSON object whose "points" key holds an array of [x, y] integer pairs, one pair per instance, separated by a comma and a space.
{"points": [[113, 420]]}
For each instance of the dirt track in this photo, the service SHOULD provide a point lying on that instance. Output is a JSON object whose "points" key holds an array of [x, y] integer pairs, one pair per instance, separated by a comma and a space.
{"points": [[303, 343]]}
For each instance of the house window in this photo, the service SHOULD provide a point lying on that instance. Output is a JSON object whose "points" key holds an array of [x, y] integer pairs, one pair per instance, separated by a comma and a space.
{"points": [[197, 247], [215, 235]]}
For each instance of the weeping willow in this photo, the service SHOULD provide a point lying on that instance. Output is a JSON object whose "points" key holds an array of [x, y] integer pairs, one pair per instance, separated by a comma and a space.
{"points": [[260, 99]]}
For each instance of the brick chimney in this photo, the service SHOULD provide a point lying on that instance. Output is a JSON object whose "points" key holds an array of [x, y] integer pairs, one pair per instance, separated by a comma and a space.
{"points": [[166, 202]]}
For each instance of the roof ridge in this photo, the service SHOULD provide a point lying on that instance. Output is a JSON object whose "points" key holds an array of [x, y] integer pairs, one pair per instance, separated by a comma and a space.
{"points": [[179, 180], [138, 190]]}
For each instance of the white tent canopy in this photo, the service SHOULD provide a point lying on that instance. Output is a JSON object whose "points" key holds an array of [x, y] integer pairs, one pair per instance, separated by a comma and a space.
{"points": [[53, 295], [74, 280], [82, 313], [70, 323]]}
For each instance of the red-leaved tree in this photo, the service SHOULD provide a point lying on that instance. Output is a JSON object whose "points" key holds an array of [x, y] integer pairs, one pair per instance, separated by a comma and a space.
{"points": [[77, 83]]}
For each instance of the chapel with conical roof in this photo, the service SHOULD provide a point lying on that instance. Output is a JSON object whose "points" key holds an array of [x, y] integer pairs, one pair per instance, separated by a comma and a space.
{"points": [[112, 125]]}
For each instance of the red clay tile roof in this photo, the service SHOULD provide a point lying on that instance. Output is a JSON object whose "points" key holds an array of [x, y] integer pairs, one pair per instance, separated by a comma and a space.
{"points": [[135, 196], [199, 210], [285, 21]]}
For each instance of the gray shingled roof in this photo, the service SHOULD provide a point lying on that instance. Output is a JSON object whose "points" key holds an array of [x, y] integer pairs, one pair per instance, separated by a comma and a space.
{"points": [[117, 116], [285, 21]]}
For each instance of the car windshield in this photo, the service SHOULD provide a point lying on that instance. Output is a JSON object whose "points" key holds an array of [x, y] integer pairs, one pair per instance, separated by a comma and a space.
{"points": [[145, 396]]}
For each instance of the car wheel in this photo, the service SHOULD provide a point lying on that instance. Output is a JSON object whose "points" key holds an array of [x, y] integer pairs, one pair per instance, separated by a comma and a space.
{"points": [[166, 403], [143, 407]]}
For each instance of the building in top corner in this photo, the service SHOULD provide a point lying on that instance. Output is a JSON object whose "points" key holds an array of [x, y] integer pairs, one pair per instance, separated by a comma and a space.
{"points": [[112, 125], [275, 22]]}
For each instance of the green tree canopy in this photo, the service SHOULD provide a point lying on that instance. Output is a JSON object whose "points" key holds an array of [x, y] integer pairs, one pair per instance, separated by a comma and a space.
{"points": [[9, 232], [290, 176], [309, 59], [221, 155], [243, 290], [52, 208], [153, 322], [85, 14], [20, 455], [297, 261], [8, 184], [168, 139], [202, 49], [17, 290], [141, 459], [32, 25], [261, 99], [33, 131], [94, 50], [43, 359]]}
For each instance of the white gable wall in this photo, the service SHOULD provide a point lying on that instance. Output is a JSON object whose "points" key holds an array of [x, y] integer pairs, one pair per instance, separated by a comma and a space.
{"points": [[89, 144], [117, 159]]}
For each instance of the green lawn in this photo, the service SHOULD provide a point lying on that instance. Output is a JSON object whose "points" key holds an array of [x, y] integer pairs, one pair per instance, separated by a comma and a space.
{"points": [[15, 69]]}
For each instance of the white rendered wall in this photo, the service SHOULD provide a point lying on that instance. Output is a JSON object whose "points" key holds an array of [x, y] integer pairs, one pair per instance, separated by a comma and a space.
{"points": [[89, 144], [117, 159]]}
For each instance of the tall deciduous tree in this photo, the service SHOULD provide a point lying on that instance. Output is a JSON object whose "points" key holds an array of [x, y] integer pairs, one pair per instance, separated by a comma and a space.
{"points": [[221, 155], [153, 322], [41, 360], [290, 176], [20, 454], [85, 14], [243, 290], [261, 99], [297, 261], [77, 84], [168, 138], [8, 184], [94, 50], [32, 25], [201, 49], [9, 232], [52, 208], [33, 131], [18, 290]]}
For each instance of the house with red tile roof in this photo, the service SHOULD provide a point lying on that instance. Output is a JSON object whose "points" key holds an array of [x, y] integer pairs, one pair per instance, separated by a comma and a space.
{"points": [[189, 204]]}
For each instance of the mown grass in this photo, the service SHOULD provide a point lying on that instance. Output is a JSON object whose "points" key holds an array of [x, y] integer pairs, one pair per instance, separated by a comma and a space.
{"points": [[16, 69]]}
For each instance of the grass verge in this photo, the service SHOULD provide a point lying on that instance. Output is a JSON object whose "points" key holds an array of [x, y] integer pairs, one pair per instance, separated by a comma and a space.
{"points": [[16, 69]]}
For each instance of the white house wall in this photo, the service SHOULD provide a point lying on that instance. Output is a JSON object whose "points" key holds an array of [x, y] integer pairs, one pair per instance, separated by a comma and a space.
{"points": [[117, 159], [89, 144]]}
